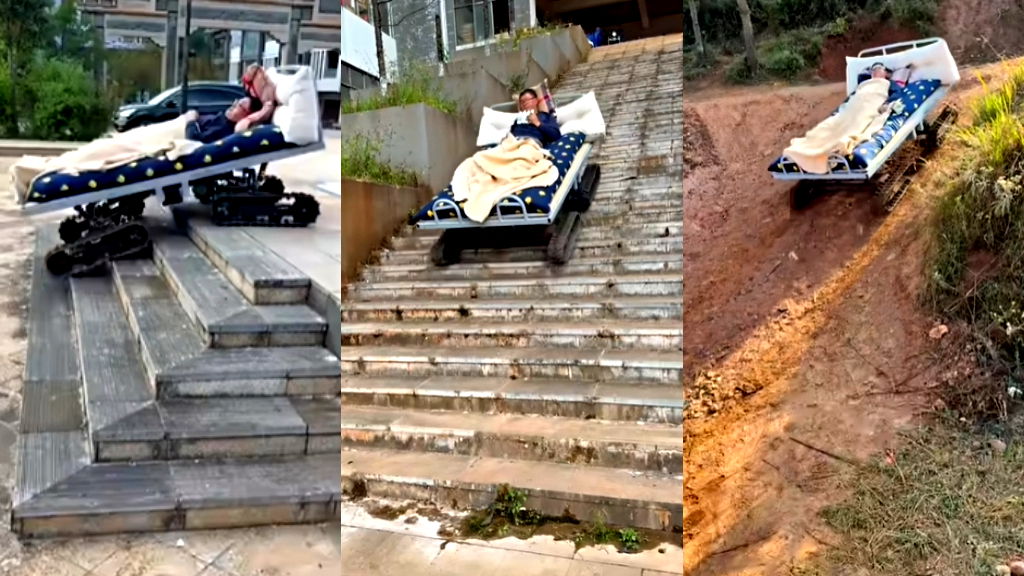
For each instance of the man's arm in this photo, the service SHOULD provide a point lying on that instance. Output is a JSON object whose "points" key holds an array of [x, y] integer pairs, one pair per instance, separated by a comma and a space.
{"points": [[264, 114], [548, 127]]}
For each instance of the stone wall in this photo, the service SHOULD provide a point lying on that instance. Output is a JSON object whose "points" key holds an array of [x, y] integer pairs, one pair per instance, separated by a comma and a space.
{"points": [[370, 214]]}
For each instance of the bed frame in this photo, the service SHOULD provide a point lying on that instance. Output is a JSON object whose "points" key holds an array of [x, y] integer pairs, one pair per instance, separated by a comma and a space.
{"points": [[178, 182]]}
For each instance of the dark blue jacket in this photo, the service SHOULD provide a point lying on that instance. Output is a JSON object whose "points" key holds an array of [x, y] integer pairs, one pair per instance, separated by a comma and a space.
{"points": [[210, 128], [546, 133]]}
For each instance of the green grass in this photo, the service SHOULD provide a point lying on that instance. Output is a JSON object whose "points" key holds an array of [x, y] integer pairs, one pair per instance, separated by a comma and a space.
{"points": [[360, 160], [786, 56], [946, 504], [416, 84], [981, 212]]}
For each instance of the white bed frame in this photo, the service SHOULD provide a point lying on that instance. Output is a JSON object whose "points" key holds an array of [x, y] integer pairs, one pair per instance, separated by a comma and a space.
{"points": [[181, 179], [839, 166], [505, 210]]}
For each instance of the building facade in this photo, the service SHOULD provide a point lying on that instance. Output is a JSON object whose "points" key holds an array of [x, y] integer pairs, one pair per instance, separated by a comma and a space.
{"points": [[272, 32]]}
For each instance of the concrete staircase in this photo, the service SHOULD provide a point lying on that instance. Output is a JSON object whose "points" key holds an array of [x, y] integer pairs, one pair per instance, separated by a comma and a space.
{"points": [[191, 391], [563, 382]]}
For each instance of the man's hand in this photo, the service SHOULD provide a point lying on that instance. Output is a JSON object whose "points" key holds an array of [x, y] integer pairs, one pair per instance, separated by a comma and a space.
{"points": [[533, 119], [242, 125]]}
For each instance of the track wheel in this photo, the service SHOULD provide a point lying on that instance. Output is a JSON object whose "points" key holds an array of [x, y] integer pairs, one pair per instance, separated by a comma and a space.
{"points": [[563, 243], [58, 262], [801, 195], [446, 250]]}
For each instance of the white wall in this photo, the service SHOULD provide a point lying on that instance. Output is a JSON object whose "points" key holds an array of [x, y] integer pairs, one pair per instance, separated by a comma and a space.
{"points": [[358, 46]]}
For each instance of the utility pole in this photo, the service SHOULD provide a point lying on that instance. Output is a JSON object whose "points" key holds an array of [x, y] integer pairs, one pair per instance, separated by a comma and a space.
{"points": [[184, 83]]}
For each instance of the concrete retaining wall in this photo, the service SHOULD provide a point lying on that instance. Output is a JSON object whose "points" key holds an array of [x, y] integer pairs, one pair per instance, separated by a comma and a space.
{"points": [[432, 143], [418, 138], [370, 214]]}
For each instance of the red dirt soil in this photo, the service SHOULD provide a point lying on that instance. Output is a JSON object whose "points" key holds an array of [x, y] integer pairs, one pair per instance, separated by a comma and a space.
{"points": [[802, 329]]}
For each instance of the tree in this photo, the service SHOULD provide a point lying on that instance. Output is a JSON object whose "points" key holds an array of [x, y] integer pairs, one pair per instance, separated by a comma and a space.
{"points": [[748, 36], [378, 34], [698, 39], [24, 25]]}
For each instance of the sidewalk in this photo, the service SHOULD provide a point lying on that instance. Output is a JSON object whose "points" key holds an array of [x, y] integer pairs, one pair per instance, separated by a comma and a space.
{"points": [[410, 545]]}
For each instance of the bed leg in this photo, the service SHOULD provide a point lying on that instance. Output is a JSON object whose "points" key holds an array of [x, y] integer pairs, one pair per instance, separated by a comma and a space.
{"points": [[563, 243]]}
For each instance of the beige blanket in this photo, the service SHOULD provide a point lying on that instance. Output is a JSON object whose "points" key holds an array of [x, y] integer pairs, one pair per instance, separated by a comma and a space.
{"points": [[489, 175], [162, 139], [839, 134]]}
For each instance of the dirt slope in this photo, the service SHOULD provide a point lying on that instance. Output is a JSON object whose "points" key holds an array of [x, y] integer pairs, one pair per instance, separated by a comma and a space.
{"points": [[807, 322]]}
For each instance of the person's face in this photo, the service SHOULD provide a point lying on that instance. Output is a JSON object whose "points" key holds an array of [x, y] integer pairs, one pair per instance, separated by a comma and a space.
{"points": [[527, 102], [878, 72]]}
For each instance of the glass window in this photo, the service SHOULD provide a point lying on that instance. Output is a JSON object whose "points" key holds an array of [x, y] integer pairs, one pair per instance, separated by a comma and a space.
{"points": [[480, 20]]}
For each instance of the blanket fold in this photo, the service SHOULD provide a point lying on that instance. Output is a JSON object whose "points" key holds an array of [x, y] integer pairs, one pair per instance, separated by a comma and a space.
{"points": [[489, 175], [855, 122], [165, 139]]}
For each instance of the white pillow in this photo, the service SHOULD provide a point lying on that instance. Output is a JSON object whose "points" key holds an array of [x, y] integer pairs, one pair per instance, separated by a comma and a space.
{"points": [[582, 115], [494, 126], [933, 61], [296, 113]]}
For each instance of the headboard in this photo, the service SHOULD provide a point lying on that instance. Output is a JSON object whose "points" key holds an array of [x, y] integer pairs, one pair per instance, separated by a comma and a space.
{"points": [[931, 58]]}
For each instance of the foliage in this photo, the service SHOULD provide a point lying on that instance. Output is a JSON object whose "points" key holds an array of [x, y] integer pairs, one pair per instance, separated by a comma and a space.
{"points": [[416, 83], [360, 160], [24, 25], [64, 104], [981, 211], [917, 14], [134, 71]]}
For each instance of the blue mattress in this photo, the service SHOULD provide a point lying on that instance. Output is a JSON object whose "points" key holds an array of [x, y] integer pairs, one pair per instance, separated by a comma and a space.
{"points": [[912, 96], [259, 140], [538, 200]]}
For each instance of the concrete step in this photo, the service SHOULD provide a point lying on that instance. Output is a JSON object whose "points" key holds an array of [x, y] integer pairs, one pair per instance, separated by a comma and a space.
{"points": [[649, 447], [226, 318], [592, 364], [62, 494], [608, 248], [625, 233], [554, 334], [175, 429], [257, 272], [665, 284], [617, 400], [540, 268], [179, 364], [668, 308], [649, 500]]}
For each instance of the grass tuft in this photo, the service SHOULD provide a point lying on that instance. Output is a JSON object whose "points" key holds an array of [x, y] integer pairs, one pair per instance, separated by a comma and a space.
{"points": [[416, 84], [360, 160]]}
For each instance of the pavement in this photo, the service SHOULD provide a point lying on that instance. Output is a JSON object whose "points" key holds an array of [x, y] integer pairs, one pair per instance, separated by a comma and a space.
{"points": [[410, 545]]}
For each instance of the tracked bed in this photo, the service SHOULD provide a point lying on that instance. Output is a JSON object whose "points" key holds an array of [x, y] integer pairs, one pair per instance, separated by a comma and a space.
{"points": [[915, 123], [229, 175]]}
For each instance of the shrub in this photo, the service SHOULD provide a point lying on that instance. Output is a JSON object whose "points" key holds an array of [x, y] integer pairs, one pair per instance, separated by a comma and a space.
{"points": [[61, 102], [917, 14], [416, 84]]}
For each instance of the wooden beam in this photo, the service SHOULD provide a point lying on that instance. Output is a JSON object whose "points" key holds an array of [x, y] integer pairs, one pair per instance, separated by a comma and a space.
{"points": [[644, 19]]}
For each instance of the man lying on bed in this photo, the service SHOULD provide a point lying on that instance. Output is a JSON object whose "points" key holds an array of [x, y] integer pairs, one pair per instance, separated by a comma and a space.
{"points": [[521, 161], [171, 139], [863, 114]]}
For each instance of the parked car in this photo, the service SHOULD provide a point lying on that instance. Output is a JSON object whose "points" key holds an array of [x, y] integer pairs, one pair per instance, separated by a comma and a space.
{"points": [[204, 97]]}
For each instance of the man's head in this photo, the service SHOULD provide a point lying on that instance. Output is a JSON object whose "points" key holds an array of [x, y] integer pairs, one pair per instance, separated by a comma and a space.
{"points": [[238, 110], [254, 77], [528, 100], [878, 70]]}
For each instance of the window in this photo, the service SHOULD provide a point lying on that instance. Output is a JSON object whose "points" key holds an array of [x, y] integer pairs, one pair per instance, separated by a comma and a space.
{"points": [[361, 8], [210, 96], [480, 20]]}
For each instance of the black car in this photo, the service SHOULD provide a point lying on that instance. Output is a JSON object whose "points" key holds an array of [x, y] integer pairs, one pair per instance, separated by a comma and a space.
{"points": [[204, 97]]}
